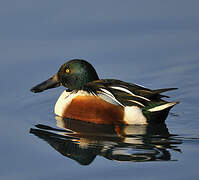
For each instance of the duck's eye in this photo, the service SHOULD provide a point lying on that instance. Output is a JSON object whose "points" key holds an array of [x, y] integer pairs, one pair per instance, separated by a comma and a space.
{"points": [[67, 70]]}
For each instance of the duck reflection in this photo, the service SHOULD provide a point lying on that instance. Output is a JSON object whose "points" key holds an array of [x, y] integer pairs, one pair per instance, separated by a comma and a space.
{"points": [[82, 141]]}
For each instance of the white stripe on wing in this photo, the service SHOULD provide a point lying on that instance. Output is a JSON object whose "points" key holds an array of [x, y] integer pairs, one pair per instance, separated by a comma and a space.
{"points": [[128, 91]]}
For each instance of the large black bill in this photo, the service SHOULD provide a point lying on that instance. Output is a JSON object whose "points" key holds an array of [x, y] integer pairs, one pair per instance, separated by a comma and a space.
{"points": [[53, 82]]}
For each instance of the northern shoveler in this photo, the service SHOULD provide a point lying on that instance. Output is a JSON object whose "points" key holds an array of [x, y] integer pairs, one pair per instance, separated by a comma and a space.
{"points": [[104, 101]]}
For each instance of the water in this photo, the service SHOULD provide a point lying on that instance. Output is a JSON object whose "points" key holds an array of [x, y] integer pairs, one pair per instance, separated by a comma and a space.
{"points": [[153, 44]]}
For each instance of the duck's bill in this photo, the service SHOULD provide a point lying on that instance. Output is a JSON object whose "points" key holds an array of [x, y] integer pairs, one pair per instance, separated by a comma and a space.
{"points": [[52, 82]]}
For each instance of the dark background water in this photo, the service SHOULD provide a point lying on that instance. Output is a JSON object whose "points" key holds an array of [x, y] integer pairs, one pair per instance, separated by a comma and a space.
{"points": [[152, 43]]}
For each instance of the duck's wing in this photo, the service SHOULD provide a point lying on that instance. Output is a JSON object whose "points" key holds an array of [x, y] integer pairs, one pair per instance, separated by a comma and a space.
{"points": [[123, 93]]}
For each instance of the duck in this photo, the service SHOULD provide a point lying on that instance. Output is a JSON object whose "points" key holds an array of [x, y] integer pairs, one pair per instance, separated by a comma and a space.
{"points": [[104, 101]]}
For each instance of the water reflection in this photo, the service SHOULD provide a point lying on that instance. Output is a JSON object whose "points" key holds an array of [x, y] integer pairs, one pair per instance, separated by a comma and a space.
{"points": [[82, 141]]}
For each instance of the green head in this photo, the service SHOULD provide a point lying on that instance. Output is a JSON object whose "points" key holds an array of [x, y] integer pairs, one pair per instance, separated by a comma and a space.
{"points": [[74, 74]]}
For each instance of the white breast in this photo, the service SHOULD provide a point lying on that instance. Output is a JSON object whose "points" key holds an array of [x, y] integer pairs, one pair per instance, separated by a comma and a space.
{"points": [[65, 99]]}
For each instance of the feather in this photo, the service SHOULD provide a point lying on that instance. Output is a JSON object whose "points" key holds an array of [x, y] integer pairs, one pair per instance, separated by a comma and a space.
{"points": [[125, 94]]}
